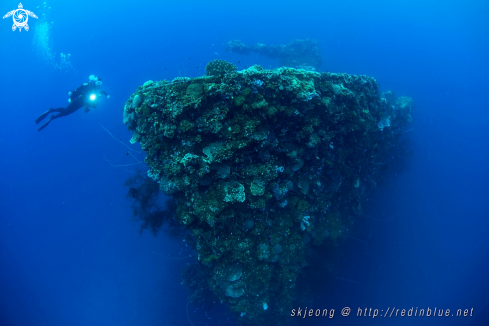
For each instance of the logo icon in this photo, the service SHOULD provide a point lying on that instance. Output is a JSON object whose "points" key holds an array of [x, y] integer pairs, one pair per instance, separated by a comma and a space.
{"points": [[20, 17]]}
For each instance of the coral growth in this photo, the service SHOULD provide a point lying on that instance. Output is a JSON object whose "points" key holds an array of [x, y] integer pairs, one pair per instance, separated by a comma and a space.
{"points": [[263, 166], [148, 207], [219, 67]]}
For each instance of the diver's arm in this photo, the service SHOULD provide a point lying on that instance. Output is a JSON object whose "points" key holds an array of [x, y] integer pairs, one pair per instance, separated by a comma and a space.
{"points": [[105, 93]]}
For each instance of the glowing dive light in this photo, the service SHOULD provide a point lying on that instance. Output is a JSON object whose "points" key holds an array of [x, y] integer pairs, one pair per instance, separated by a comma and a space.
{"points": [[93, 97]]}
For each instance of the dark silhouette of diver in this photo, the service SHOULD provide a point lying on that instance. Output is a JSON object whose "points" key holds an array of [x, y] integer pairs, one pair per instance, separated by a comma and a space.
{"points": [[86, 95]]}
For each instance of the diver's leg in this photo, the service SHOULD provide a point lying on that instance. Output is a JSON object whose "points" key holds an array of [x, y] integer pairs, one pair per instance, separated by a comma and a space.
{"points": [[57, 110], [51, 118], [45, 114], [72, 107]]}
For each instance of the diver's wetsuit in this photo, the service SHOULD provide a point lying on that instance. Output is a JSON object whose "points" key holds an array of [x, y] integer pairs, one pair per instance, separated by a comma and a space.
{"points": [[78, 98]]}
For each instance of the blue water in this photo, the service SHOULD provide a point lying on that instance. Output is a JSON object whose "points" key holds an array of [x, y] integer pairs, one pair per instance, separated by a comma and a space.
{"points": [[69, 251]]}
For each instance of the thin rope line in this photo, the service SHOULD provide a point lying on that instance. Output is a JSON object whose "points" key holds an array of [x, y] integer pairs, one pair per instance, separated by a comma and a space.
{"points": [[189, 302], [135, 158], [120, 141], [351, 237], [120, 165]]}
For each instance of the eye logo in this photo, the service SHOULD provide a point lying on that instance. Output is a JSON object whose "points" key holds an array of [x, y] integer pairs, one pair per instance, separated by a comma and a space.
{"points": [[20, 17]]}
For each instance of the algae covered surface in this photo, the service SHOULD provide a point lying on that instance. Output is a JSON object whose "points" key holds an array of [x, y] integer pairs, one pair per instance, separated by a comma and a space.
{"points": [[263, 166]]}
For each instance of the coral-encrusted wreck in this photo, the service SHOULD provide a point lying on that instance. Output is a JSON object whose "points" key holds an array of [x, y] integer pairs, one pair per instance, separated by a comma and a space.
{"points": [[263, 165]]}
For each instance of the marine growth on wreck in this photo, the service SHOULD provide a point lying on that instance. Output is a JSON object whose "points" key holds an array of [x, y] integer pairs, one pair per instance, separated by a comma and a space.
{"points": [[263, 165]]}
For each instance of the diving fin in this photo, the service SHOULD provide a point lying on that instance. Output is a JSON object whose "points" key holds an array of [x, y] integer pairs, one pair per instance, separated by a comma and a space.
{"points": [[44, 125], [42, 116]]}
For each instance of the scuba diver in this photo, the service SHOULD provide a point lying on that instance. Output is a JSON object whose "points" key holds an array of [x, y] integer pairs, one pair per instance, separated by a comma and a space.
{"points": [[85, 95]]}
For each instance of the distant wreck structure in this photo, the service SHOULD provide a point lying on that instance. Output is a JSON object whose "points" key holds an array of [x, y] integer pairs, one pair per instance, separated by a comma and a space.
{"points": [[297, 54], [268, 170]]}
